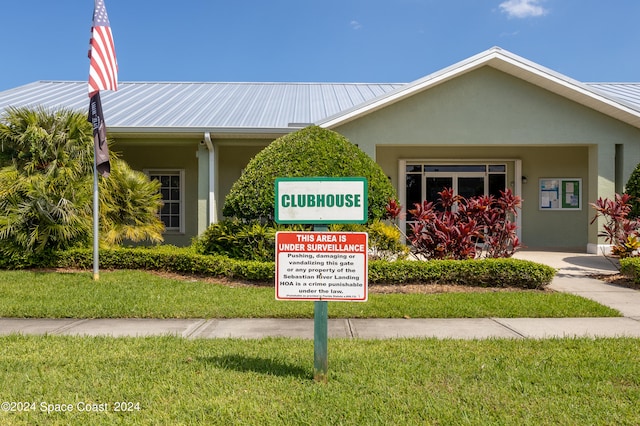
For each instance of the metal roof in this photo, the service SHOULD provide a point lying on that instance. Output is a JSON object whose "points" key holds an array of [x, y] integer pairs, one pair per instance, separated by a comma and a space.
{"points": [[627, 93], [181, 105], [267, 108]]}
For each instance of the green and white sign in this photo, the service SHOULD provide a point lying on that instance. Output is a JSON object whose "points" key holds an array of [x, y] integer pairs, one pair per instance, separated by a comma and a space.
{"points": [[321, 200]]}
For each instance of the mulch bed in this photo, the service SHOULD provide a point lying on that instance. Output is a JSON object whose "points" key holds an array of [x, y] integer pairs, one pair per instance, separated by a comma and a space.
{"points": [[373, 288], [615, 279], [619, 280]]}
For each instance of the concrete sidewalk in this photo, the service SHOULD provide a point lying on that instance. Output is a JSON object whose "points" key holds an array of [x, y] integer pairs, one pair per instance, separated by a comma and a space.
{"points": [[574, 271], [470, 328], [574, 275]]}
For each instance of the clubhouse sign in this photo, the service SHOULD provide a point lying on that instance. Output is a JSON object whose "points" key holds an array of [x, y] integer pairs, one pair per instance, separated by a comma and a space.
{"points": [[321, 200]]}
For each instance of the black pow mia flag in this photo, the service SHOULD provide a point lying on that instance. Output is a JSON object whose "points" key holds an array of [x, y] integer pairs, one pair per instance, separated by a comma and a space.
{"points": [[96, 118]]}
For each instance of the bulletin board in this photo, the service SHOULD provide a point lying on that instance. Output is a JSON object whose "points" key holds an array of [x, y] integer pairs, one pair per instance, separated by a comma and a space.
{"points": [[560, 194]]}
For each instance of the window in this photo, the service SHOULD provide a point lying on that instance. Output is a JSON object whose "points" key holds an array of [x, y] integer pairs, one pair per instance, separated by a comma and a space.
{"points": [[424, 180], [172, 190]]}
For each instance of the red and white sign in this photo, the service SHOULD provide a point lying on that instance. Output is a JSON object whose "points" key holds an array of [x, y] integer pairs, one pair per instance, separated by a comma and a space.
{"points": [[321, 266]]}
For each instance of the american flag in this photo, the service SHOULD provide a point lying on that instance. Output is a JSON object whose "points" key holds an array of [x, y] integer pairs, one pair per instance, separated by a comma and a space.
{"points": [[103, 71]]}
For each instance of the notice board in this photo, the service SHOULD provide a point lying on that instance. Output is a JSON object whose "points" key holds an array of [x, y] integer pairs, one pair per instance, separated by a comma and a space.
{"points": [[560, 193]]}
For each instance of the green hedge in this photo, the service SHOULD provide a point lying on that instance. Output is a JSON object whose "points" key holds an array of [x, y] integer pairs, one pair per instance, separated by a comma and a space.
{"points": [[167, 258], [630, 267], [479, 273]]}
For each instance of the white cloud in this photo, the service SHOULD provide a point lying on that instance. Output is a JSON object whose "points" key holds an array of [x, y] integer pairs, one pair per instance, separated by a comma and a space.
{"points": [[523, 8], [355, 25]]}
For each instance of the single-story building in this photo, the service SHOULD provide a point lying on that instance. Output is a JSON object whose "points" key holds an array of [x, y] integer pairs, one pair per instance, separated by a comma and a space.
{"points": [[490, 122]]}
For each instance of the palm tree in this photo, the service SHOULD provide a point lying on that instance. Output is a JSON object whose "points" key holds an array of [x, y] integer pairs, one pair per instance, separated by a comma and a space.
{"points": [[45, 193], [50, 142], [39, 214], [129, 205]]}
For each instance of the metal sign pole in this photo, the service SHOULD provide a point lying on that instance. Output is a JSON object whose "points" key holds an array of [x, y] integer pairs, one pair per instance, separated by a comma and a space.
{"points": [[320, 333], [320, 341], [96, 226]]}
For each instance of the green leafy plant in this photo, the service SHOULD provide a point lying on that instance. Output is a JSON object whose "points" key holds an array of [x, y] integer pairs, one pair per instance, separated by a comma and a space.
{"points": [[632, 188], [239, 240], [630, 267]]}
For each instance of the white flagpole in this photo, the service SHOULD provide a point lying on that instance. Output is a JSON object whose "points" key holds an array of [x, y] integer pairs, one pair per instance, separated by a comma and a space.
{"points": [[103, 75], [96, 204]]}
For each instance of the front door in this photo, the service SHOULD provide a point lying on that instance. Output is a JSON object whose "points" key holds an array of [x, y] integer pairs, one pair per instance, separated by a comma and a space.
{"points": [[466, 186], [425, 181]]}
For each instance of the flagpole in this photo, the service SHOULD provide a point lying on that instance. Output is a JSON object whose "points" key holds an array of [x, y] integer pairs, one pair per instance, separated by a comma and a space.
{"points": [[96, 205], [103, 75]]}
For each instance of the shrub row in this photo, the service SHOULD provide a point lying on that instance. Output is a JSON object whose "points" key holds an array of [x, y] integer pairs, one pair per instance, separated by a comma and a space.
{"points": [[170, 259], [630, 267], [479, 273]]}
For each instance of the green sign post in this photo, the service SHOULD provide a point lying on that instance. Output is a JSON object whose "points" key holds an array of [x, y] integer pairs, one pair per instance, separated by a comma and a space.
{"points": [[319, 201], [320, 333]]}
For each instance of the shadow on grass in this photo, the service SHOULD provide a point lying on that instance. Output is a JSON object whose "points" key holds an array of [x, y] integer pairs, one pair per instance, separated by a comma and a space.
{"points": [[258, 365]]}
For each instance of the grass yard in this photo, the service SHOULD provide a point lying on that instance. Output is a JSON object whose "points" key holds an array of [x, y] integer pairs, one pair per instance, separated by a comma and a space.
{"points": [[172, 381], [139, 294]]}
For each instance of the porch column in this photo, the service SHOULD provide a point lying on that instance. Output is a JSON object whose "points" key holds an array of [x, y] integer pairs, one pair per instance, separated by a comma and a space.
{"points": [[602, 183]]}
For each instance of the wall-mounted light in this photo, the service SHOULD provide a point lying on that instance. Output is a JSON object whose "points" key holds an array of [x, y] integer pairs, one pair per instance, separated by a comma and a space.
{"points": [[524, 179]]}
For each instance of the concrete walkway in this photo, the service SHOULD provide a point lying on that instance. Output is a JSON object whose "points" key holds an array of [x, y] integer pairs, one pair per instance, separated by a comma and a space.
{"points": [[574, 270]]}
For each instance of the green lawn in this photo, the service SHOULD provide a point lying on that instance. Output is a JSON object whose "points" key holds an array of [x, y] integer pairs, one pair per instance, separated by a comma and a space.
{"points": [[173, 381], [139, 294]]}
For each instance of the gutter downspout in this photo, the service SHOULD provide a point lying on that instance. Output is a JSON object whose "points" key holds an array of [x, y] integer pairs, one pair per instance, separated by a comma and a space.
{"points": [[213, 209]]}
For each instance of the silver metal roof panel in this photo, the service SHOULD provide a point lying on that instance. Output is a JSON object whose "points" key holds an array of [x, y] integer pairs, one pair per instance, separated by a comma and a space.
{"points": [[627, 93], [202, 105], [214, 106]]}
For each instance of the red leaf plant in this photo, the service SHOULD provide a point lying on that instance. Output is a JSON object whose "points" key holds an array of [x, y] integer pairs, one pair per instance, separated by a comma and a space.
{"points": [[619, 231], [455, 227]]}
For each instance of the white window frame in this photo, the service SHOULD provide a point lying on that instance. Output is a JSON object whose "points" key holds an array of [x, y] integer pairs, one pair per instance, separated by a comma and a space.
{"points": [[516, 184], [173, 172]]}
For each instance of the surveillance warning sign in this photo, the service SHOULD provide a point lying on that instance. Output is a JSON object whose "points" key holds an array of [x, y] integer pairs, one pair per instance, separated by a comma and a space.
{"points": [[321, 266]]}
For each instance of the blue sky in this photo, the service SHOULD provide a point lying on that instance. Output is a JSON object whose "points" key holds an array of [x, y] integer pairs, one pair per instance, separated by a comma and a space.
{"points": [[317, 40]]}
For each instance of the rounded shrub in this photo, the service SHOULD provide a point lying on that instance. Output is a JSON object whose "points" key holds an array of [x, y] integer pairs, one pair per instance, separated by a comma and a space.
{"points": [[633, 189], [310, 152]]}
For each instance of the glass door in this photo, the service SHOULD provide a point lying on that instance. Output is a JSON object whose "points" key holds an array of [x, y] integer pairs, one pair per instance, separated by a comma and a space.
{"points": [[470, 186], [433, 185], [464, 184], [423, 181]]}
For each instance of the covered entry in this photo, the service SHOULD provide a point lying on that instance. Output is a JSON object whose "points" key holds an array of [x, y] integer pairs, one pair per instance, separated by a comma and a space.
{"points": [[424, 179]]}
